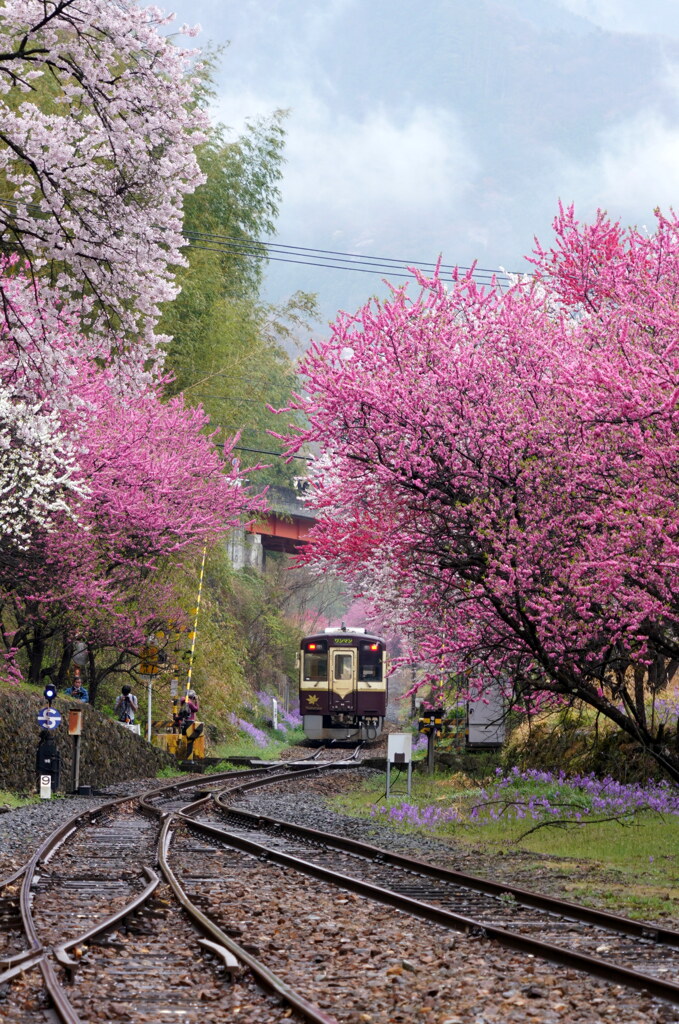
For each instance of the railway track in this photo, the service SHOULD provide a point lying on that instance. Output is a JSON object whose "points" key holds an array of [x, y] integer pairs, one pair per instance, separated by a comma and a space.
{"points": [[620, 950], [95, 933], [181, 906]]}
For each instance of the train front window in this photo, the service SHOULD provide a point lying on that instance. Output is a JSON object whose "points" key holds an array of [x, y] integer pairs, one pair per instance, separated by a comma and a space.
{"points": [[315, 667], [371, 664], [343, 667]]}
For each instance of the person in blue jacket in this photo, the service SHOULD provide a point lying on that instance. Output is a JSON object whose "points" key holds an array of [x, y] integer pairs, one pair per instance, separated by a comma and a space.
{"points": [[77, 690]]}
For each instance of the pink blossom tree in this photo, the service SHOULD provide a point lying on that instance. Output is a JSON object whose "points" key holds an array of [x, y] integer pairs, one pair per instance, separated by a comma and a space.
{"points": [[141, 481], [499, 472], [101, 481], [37, 463], [98, 127]]}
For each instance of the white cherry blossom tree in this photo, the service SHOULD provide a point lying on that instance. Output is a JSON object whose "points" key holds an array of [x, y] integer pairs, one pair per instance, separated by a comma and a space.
{"points": [[97, 134]]}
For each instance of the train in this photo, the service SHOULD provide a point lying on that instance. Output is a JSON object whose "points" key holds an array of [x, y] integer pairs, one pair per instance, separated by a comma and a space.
{"points": [[343, 684]]}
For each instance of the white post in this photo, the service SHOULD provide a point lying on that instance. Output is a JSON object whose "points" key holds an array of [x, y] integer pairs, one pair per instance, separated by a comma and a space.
{"points": [[45, 787], [399, 751], [76, 763], [149, 697], [274, 712]]}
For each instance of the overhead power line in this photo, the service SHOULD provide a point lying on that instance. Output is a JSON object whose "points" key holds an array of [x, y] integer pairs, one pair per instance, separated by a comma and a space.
{"points": [[329, 259], [280, 455], [263, 249], [385, 266]]}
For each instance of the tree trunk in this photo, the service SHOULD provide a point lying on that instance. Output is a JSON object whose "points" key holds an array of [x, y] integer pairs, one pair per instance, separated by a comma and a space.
{"points": [[654, 744], [62, 673], [92, 679], [36, 651]]}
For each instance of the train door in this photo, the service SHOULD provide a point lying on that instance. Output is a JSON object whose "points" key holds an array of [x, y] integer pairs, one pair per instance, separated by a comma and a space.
{"points": [[342, 696]]}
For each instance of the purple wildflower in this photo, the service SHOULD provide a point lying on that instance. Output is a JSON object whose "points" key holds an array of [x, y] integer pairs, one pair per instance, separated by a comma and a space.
{"points": [[256, 734]]}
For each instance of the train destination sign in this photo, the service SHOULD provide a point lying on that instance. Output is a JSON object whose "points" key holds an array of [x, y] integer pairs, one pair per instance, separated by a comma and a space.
{"points": [[49, 718]]}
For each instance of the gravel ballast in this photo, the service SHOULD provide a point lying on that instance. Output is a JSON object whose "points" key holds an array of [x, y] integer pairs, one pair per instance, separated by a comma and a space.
{"points": [[23, 829], [437, 978]]}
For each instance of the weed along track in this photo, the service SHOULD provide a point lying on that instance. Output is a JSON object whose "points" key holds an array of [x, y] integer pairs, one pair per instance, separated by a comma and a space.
{"points": [[180, 906]]}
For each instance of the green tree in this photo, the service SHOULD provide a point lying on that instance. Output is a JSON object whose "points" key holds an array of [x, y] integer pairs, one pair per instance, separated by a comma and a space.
{"points": [[230, 350]]}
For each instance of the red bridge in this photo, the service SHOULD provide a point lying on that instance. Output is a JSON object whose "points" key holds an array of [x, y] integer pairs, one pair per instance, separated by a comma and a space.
{"points": [[287, 523]]}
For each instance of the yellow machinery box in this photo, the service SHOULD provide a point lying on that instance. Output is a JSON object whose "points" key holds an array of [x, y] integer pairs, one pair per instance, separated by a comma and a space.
{"points": [[180, 746]]}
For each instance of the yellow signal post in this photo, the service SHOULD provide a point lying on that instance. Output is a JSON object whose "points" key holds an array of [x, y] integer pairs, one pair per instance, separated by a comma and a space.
{"points": [[197, 747], [183, 746], [196, 610]]}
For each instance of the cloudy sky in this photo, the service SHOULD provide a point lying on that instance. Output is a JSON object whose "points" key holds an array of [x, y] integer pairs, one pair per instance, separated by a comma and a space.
{"points": [[449, 127]]}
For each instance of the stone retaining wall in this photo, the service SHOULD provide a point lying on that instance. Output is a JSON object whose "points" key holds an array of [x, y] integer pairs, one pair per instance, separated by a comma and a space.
{"points": [[109, 753]]}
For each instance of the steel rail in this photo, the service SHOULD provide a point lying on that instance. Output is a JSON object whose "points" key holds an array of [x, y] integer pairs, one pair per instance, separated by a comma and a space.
{"points": [[302, 773], [25, 963], [60, 1001], [148, 807], [48, 847], [536, 947], [179, 784], [61, 951], [37, 954], [308, 1010], [564, 908], [264, 770], [265, 780], [58, 997], [15, 877]]}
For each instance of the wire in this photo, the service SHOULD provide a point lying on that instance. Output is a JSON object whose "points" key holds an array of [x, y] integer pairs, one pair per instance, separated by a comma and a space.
{"points": [[384, 272], [261, 249], [330, 259], [484, 277], [263, 451]]}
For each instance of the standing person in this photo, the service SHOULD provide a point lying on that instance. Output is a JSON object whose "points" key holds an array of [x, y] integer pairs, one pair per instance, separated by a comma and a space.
{"points": [[188, 709], [126, 706], [77, 690]]}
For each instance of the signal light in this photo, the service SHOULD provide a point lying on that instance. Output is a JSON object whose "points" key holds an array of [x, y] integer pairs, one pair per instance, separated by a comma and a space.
{"points": [[50, 692]]}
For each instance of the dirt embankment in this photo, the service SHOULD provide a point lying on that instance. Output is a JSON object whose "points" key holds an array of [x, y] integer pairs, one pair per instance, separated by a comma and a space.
{"points": [[109, 753]]}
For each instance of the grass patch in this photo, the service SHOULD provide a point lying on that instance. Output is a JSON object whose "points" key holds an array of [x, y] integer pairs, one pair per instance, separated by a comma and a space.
{"points": [[244, 745], [14, 800], [629, 865], [223, 766], [170, 771]]}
